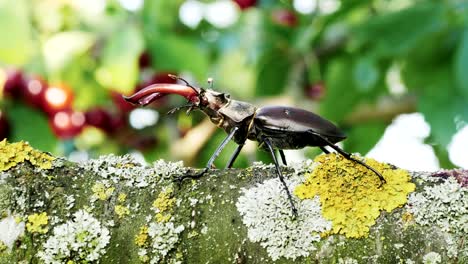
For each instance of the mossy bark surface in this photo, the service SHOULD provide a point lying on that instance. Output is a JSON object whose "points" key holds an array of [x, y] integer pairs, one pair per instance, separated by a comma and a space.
{"points": [[213, 229]]}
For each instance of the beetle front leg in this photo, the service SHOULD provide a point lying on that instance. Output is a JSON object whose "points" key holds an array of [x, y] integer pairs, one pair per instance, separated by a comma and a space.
{"points": [[212, 159], [280, 175], [234, 156]]}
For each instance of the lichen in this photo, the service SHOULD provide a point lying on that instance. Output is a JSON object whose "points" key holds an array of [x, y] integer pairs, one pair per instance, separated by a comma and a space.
{"points": [[10, 230], [350, 195], [445, 206], [37, 223], [130, 172], [267, 214], [82, 239], [142, 238], [164, 204], [101, 192], [12, 154], [122, 197], [157, 240], [121, 211], [164, 236], [432, 258]]}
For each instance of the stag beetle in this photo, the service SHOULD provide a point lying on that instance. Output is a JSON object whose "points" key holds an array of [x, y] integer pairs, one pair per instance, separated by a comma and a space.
{"points": [[274, 127]]}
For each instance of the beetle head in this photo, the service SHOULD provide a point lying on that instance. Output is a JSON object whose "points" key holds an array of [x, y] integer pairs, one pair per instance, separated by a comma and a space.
{"points": [[198, 98]]}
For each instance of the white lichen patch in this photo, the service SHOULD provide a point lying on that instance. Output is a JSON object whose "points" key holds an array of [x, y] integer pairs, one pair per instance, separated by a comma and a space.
{"points": [[432, 258], [10, 230], [444, 206], [347, 260], [82, 240], [127, 170], [164, 237], [266, 212], [166, 169]]}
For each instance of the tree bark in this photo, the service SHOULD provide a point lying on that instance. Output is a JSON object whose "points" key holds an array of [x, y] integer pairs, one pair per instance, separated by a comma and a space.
{"points": [[152, 218]]}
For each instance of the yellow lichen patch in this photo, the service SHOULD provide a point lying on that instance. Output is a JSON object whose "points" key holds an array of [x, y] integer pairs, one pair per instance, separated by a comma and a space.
{"points": [[122, 197], [121, 210], [101, 192], [37, 223], [13, 153], [142, 237], [350, 194], [164, 204]]}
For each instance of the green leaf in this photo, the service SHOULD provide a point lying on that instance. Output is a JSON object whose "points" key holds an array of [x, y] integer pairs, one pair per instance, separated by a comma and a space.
{"points": [[396, 33], [235, 74], [160, 14], [176, 53], [366, 74], [441, 106], [341, 95], [31, 125], [461, 65], [363, 137], [79, 76], [63, 47], [273, 71], [16, 44], [119, 68]]}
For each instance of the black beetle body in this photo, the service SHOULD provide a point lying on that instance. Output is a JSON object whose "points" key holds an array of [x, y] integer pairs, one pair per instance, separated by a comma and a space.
{"points": [[294, 128]]}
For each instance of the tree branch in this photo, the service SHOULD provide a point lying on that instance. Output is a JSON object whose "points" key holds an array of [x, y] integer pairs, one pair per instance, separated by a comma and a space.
{"points": [[115, 210]]}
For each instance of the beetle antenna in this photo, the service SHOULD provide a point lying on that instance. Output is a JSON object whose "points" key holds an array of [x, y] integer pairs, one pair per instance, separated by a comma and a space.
{"points": [[175, 109], [175, 77]]}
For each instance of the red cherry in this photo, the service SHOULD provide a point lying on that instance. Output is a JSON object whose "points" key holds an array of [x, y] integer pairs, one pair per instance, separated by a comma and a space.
{"points": [[103, 119], [117, 122], [143, 142], [34, 90], [14, 83], [144, 61], [244, 4], [98, 117], [316, 91], [67, 124], [56, 98], [4, 126], [284, 17]]}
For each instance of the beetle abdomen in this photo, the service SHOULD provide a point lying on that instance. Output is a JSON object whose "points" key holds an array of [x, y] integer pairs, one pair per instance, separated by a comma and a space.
{"points": [[295, 126]]}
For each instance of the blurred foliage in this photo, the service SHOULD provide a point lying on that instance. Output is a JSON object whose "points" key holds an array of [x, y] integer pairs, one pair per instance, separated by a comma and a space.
{"points": [[331, 60]]}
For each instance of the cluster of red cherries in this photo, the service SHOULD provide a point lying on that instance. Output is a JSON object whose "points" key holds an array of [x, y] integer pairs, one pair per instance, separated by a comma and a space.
{"points": [[56, 102]]}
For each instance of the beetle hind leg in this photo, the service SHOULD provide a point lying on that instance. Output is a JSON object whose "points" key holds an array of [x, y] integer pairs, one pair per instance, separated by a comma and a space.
{"points": [[349, 157]]}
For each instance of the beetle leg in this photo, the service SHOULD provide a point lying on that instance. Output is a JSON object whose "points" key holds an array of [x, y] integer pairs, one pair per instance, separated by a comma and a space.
{"points": [[234, 156], [280, 175], [283, 157], [212, 159], [349, 157], [324, 150]]}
